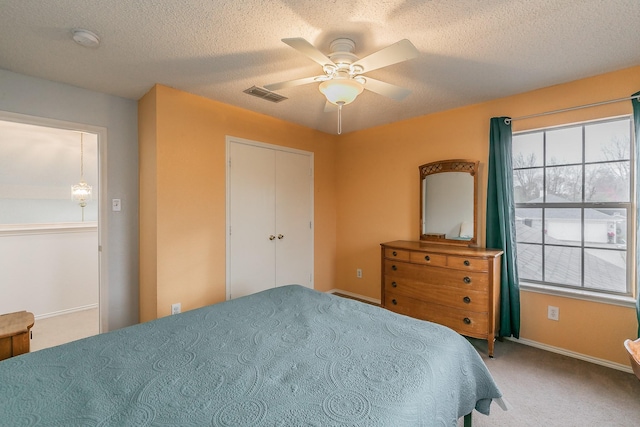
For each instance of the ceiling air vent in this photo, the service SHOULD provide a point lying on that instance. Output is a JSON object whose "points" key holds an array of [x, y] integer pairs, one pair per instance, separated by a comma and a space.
{"points": [[265, 94]]}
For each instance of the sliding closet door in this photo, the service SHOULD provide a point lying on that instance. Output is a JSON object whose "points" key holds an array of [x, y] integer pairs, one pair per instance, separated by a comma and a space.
{"points": [[270, 218], [251, 244]]}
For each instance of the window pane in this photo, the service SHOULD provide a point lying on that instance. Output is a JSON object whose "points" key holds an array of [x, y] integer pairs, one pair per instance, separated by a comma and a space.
{"points": [[564, 184], [571, 211], [564, 146], [605, 270], [529, 225], [605, 228], [529, 261], [607, 141], [527, 185], [607, 182], [527, 149], [563, 226], [563, 265]]}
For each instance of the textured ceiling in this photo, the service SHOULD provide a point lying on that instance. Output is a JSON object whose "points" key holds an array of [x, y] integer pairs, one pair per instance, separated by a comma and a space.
{"points": [[470, 50]]}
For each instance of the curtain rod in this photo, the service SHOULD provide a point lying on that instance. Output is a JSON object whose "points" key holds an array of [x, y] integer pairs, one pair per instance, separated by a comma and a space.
{"points": [[508, 120]]}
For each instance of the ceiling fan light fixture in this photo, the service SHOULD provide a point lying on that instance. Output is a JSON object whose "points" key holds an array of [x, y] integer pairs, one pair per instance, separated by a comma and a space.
{"points": [[341, 91]]}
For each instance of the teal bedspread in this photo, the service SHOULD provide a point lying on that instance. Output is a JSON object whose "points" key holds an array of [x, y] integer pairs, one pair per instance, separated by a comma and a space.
{"points": [[288, 356]]}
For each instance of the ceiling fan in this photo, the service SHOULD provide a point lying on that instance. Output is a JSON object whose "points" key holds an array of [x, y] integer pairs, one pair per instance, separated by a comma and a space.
{"points": [[343, 78]]}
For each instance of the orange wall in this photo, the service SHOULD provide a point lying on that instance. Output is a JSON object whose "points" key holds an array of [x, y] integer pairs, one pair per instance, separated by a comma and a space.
{"points": [[183, 250], [378, 198], [366, 192], [147, 161]]}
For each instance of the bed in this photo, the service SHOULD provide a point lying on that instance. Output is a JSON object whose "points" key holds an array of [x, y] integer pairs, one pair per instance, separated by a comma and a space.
{"points": [[288, 356]]}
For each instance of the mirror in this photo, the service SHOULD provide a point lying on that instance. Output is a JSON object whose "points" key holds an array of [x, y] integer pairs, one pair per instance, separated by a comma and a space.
{"points": [[448, 202]]}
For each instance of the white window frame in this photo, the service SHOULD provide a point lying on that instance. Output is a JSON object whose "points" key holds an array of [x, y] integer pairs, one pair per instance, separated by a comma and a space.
{"points": [[627, 299]]}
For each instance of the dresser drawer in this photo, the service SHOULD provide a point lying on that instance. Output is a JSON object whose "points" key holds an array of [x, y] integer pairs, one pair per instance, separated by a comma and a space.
{"points": [[467, 263], [463, 321], [464, 280], [428, 259], [398, 254], [468, 299], [455, 286]]}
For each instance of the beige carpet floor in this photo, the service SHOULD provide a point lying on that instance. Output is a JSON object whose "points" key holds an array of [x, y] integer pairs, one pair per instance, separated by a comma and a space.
{"points": [[548, 389], [64, 328]]}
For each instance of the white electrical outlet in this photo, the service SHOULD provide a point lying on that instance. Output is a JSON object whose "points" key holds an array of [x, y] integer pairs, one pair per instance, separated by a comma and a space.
{"points": [[359, 273], [553, 313], [175, 308], [116, 205]]}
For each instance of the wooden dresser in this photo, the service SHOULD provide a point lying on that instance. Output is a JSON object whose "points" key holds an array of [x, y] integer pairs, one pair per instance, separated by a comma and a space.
{"points": [[455, 286]]}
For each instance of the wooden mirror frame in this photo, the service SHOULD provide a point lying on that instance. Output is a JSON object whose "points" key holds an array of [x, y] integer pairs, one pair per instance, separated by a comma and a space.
{"points": [[453, 165]]}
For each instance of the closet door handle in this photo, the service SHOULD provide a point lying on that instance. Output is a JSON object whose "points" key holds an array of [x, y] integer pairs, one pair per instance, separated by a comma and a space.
{"points": [[280, 236], [271, 237]]}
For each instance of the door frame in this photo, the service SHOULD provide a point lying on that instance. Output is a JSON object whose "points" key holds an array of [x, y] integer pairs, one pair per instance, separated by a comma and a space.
{"points": [[231, 140], [102, 248]]}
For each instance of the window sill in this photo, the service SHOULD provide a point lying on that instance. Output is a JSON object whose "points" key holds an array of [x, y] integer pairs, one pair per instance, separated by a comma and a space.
{"points": [[623, 301]]}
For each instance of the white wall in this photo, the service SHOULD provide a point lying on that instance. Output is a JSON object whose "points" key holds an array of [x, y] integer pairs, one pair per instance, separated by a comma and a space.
{"points": [[41, 98], [49, 270], [38, 165]]}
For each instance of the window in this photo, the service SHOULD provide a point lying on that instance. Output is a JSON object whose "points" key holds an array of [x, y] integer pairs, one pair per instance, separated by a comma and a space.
{"points": [[573, 199]]}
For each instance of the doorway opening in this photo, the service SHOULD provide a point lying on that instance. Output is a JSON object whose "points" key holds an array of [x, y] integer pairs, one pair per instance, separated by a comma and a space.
{"points": [[50, 240]]}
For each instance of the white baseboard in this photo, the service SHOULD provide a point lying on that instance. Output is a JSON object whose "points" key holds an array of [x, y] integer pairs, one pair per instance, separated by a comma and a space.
{"points": [[351, 294], [67, 311], [580, 356]]}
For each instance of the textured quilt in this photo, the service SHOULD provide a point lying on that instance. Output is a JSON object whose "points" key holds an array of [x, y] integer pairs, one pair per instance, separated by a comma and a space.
{"points": [[288, 356]]}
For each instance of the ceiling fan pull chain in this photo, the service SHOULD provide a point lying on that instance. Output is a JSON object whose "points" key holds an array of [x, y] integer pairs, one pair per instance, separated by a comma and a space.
{"points": [[339, 118]]}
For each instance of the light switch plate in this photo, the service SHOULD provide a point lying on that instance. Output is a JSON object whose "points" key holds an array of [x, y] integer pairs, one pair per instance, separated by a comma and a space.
{"points": [[116, 205]]}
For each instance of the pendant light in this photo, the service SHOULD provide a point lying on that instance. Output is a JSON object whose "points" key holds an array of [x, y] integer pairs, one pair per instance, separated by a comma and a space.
{"points": [[81, 192]]}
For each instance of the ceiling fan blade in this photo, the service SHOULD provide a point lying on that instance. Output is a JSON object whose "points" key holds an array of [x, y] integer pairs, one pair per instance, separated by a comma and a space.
{"points": [[306, 48], [291, 83], [397, 52], [386, 89], [329, 107]]}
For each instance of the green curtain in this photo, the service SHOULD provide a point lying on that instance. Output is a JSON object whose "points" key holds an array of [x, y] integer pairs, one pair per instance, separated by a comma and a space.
{"points": [[501, 233], [635, 101]]}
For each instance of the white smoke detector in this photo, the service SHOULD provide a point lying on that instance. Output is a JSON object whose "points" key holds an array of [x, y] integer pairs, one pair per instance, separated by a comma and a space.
{"points": [[86, 38]]}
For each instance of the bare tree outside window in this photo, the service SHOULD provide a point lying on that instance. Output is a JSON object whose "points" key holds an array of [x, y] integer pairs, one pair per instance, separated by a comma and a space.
{"points": [[572, 187]]}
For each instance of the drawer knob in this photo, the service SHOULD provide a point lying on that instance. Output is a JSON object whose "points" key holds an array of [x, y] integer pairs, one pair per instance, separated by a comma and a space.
{"points": [[394, 302], [394, 268], [466, 300], [467, 263], [394, 285], [467, 279], [394, 253], [427, 258], [467, 321]]}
